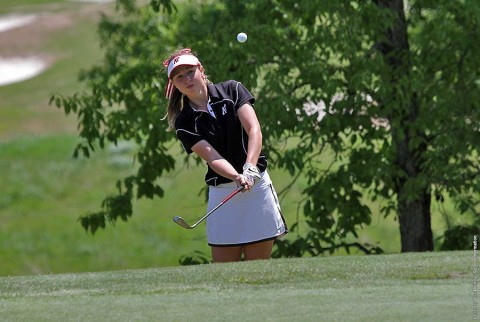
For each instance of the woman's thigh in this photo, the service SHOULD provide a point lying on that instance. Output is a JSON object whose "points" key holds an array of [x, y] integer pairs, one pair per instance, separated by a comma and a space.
{"points": [[261, 250], [226, 254]]}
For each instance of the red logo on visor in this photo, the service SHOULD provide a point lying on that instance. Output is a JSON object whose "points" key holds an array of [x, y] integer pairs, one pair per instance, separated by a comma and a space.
{"points": [[176, 59]]}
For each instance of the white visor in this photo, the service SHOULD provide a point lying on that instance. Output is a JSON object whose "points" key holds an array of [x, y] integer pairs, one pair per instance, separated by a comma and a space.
{"points": [[182, 60]]}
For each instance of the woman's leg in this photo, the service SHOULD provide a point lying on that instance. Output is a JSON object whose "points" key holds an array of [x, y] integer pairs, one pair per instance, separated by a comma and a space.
{"points": [[226, 254], [261, 250]]}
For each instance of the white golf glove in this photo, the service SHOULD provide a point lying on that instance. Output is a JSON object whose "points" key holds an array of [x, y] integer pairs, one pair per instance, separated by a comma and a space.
{"points": [[252, 173]]}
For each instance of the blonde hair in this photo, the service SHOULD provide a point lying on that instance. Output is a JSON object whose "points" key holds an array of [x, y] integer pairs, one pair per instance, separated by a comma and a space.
{"points": [[175, 103]]}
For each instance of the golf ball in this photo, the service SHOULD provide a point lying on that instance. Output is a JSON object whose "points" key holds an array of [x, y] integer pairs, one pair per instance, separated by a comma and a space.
{"points": [[242, 37]]}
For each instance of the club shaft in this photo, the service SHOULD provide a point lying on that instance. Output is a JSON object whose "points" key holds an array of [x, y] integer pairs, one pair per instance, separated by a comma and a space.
{"points": [[227, 198], [184, 224]]}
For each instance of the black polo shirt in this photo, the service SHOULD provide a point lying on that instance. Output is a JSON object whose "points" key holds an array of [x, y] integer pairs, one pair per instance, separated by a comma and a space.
{"points": [[224, 131]]}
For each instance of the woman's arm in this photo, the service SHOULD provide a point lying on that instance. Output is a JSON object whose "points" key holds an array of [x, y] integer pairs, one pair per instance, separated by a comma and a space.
{"points": [[221, 166], [250, 123]]}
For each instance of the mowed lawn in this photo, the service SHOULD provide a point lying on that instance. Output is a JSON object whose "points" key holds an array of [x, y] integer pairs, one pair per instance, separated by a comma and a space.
{"points": [[397, 287]]}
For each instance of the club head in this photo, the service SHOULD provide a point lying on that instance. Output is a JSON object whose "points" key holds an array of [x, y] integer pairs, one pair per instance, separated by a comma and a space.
{"points": [[179, 220]]}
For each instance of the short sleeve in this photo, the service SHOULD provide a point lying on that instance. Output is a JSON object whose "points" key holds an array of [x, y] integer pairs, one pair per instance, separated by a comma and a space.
{"points": [[187, 135], [242, 95]]}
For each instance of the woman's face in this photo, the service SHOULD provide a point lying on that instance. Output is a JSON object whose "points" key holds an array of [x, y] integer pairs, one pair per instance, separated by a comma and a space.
{"points": [[188, 79]]}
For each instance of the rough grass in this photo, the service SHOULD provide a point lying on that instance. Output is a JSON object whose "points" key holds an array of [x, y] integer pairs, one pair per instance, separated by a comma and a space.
{"points": [[44, 191], [406, 287], [8, 6]]}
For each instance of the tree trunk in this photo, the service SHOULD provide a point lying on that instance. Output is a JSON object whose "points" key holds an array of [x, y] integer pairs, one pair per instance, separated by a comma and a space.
{"points": [[413, 200], [413, 206], [415, 226]]}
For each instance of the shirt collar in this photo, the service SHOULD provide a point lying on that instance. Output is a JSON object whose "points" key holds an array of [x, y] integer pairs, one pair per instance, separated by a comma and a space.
{"points": [[189, 109], [213, 92], [213, 96]]}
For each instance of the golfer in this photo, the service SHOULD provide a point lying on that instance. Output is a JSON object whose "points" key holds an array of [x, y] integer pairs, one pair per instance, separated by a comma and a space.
{"points": [[219, 124]]}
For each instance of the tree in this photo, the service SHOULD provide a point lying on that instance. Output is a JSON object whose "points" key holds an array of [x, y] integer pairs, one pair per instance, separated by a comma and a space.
{"points": [[371, 101]]}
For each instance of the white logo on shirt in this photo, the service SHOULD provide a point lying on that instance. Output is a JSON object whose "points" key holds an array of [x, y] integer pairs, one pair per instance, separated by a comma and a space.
{"points": [[224, 110]]}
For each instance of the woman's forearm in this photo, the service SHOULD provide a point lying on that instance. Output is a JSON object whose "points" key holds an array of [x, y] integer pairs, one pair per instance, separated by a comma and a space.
{"points": [[224, 168], [254, 145]]}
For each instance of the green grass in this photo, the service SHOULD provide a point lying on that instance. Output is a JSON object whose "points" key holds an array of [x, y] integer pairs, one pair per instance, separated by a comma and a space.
{"points": [[9, 6], [44, 190], [408, 287]]}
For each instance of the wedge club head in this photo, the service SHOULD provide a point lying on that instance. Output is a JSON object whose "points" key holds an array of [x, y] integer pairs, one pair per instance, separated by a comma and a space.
{"points": [[179, 220]]}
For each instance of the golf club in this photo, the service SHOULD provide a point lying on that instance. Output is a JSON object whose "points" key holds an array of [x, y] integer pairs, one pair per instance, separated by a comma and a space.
{"points": [[179, 220]]}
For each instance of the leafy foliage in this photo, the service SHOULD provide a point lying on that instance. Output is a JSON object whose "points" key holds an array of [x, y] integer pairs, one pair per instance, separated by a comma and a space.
{"points": [[394, 118], [194, 258], [123, 104], [461, 237]]}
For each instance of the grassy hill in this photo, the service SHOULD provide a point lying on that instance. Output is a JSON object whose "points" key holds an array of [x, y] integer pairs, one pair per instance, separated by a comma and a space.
{"points": [[408, 287]]}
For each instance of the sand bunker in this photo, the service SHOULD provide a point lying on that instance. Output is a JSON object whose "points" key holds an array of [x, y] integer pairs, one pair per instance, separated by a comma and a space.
{"points": [[20, 33], [15, 21], [17, 69], [14, 70]]}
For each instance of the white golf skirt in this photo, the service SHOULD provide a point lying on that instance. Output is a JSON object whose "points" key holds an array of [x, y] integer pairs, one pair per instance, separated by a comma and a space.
{"points": [[248, 217]]}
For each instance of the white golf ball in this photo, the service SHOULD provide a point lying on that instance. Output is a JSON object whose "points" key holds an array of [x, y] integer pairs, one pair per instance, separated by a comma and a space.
{"points": [[242, 37]]}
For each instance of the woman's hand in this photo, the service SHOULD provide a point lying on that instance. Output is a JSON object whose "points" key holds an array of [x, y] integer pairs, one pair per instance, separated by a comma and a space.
{"points": [[252, 173], [222, 166], [242, 180]]}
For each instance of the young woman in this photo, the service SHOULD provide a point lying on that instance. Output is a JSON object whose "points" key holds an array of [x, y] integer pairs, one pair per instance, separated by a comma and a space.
{"points": [[218, 123]]}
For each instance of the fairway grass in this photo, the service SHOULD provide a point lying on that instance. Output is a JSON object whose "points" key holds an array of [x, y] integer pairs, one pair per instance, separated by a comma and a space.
{"points": [[397, 287]]}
